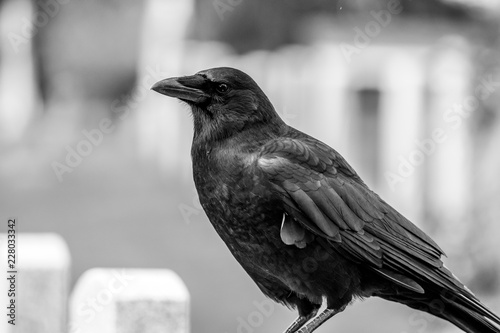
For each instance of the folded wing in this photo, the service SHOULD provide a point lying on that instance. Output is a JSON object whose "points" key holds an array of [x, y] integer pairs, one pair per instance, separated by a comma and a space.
{"points": [[323, 194]]}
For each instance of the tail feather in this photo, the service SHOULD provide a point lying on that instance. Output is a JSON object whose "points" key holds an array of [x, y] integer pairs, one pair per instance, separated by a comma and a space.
{"points": [[463, 310], [445, 297], [477, 319]]}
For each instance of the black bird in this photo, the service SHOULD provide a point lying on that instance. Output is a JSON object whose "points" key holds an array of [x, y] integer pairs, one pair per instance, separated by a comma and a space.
{"points": [[299, 219]]}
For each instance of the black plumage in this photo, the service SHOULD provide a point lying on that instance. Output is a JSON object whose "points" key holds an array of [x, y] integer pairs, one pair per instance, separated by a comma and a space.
{"points": [[300, 220]]}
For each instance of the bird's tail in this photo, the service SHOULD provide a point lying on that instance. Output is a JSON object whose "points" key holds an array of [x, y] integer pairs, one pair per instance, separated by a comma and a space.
{"points": [[462, 309], [469, 314], [456, 305]]}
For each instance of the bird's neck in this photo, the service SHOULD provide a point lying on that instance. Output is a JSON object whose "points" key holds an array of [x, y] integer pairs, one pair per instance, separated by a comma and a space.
{"points": [[213, 132], [246, 141]]}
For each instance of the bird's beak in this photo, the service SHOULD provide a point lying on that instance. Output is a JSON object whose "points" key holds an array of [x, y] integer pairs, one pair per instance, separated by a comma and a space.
{"points": [[186, 88]]}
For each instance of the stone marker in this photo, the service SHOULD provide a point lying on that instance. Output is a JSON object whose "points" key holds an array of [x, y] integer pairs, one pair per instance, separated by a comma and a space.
{"points": [[162, 52], [41, 284], [109, 300], [17, 70]]}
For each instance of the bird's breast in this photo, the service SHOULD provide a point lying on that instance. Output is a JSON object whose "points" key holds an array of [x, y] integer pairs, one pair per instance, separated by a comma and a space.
{"points": [[236, 199]]}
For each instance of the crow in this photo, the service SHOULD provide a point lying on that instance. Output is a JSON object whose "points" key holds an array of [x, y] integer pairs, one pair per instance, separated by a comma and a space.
{"points": [[300, 220]]}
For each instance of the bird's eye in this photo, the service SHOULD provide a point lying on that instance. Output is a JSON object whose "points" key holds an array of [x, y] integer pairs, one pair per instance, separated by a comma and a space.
{"points": [[222, 87]]}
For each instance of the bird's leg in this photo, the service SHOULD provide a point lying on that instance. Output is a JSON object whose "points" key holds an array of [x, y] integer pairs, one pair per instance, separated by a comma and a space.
{"points": [[307, 310], [300, 321], [320, 319]]}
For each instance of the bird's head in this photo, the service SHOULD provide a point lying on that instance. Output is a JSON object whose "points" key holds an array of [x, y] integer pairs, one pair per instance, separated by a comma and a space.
{"points": [[223, 100]]}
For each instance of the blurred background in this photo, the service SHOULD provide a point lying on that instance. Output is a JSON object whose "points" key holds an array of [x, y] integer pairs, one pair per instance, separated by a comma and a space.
{"points": [[406, 91]]}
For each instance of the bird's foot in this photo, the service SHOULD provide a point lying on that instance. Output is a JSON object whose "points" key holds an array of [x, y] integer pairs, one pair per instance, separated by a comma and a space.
{"points": [[319, 320], [300, 321]]}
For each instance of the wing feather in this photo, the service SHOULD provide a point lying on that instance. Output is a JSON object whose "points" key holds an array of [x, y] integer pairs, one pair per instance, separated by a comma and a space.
{"points": [[324, 195], [309, 207]]}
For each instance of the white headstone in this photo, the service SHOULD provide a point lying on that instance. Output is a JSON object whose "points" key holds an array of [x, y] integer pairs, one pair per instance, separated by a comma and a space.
{"points": [[129, 301], [451, 109], [18, 95], [157, 118], [402, 120], [41, 281]]}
